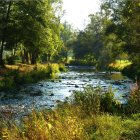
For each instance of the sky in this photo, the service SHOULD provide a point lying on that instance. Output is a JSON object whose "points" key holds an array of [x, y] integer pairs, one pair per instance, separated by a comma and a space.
{"points": [[77, 11]]}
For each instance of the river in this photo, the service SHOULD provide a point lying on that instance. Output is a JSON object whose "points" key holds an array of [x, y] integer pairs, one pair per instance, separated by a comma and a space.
{"points": [[47, 93]]}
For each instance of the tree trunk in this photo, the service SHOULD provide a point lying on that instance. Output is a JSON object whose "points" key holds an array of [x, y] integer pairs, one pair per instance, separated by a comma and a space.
{"points": [[22, 56], [4, 34], [138, 82], [1, 53], [48, 57], [26, 58], [33, 58]]}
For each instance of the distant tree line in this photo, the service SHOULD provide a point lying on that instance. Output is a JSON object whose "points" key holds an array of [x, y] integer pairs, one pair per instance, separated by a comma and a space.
{"points": [[112, 33], [32, 31]]}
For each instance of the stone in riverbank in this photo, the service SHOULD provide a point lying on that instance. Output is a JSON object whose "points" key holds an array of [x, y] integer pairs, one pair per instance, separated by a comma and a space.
{"points": [[36, 93]]}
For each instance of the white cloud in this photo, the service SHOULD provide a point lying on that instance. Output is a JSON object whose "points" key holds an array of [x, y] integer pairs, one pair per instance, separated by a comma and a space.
{"points": [[77, 11]]}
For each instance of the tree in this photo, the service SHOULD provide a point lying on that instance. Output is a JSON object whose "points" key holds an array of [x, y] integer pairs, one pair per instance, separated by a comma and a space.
{"points": [[126, 18], [5, 7], [89, 41], [68, 36], [31, 26]]}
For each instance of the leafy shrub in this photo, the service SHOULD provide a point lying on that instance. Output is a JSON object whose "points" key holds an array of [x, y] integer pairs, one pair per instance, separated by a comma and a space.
{"points": [[132, 71], [131, 127], [7, 83], [11, 60], [108, 103], [93, 100], [88, 100], [62, 67], [81, 62], [69, 121], [14, 78], [133, 105], [107, 128]]}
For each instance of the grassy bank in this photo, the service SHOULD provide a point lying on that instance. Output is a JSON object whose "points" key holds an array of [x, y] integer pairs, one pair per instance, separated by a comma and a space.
{"points": [[13, 76], [89, 115], [119, 65]]}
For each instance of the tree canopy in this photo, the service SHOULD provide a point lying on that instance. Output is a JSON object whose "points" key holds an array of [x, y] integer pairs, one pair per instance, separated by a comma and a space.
{"points": [[30, 26]]}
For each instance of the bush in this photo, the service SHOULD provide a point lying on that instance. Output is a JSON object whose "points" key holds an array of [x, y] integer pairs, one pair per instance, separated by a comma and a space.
{"points": [[69, 121], [131, 127], [62, 67], [88, 100], [132, 71], [14, 79], [7, 83], [11, 59], [133, 105], [108, 103], [81, 62], [93, 100]]}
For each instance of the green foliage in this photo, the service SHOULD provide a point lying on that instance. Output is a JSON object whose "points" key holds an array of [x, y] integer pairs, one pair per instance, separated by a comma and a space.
{"points": [[95, 44], [133, 105], [70, 121], [62, 67], [53, 69], [95, 100], [111, 33], [14, 79], [30, 27], [83, 62], [88, 100], [11, 60], [119, 65], [68, 36], [132, 127], [132, 71], [108, 103], [107, 127], [7, 83], [125, 18]]}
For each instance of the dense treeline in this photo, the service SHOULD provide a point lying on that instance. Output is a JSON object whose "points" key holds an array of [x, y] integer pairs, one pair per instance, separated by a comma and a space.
{"points": [[112, 34], [32, 31], [30, 28]]}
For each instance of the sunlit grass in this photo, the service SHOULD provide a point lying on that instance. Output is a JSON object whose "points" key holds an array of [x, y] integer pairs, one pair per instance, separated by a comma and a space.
{"points": [[70, 124], [120, 64], [21, 67], [16, 75], [71, 121]]}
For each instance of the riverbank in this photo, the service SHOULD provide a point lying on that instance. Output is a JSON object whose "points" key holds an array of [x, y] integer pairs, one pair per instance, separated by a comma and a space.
{"points": [[119, 65], [47, 93], [88, 115], [14, 76]]}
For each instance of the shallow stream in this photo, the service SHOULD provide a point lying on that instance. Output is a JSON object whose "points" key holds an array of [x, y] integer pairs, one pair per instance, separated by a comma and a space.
{"points": [[47, 93]]}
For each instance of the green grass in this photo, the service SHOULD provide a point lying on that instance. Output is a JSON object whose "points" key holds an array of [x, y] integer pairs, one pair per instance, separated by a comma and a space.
{"points": [[18, 75], [82, 118], [131, 127], [120, 64]]}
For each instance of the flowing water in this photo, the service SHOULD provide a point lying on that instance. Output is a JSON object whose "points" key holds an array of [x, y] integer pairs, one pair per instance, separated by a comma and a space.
{"points": [[47, 93]]}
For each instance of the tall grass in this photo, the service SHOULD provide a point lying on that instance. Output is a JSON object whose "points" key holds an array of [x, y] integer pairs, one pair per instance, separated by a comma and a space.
{"points": [[133, 105], [14, 78], [95, 100], [87, 116]]}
